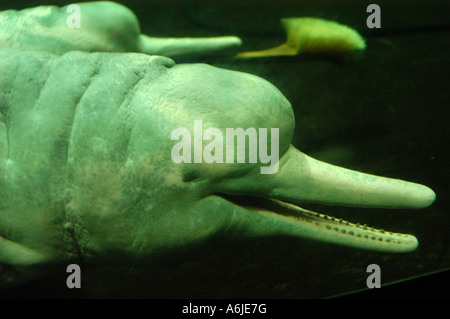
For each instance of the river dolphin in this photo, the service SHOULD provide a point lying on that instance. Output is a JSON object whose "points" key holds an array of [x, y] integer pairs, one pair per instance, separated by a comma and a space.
{"points": [[86, 170]]}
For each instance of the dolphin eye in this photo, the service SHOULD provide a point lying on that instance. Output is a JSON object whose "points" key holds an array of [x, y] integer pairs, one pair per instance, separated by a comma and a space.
{"points": [[190, 177]]}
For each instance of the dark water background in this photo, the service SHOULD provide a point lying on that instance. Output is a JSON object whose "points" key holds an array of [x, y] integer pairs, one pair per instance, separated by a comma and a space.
{"points": [[384, 111]]}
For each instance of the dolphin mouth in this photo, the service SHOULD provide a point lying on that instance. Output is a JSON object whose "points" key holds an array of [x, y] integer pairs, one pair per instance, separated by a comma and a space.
{"points": [[310, 224]]}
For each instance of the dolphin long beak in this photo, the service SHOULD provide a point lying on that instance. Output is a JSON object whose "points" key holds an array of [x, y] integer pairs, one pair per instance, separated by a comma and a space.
{"points": [[304, 179], [175, 47]]}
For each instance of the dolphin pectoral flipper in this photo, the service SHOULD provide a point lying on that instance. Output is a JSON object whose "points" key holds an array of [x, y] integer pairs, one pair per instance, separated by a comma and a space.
{"points": [[14, 258], [16, 254], [19, 264]]}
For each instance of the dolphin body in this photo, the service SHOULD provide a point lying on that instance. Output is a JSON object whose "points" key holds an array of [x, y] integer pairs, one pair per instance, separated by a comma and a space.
{"points": [[86, 169], [102, 26]]}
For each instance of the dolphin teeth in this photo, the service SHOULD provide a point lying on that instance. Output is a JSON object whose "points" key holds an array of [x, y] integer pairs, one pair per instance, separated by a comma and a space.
{"points": [[324, 223], [343, 227]]}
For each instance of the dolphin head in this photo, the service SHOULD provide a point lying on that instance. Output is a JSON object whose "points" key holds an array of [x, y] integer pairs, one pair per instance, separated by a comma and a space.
{"points": [[165, 193]]}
